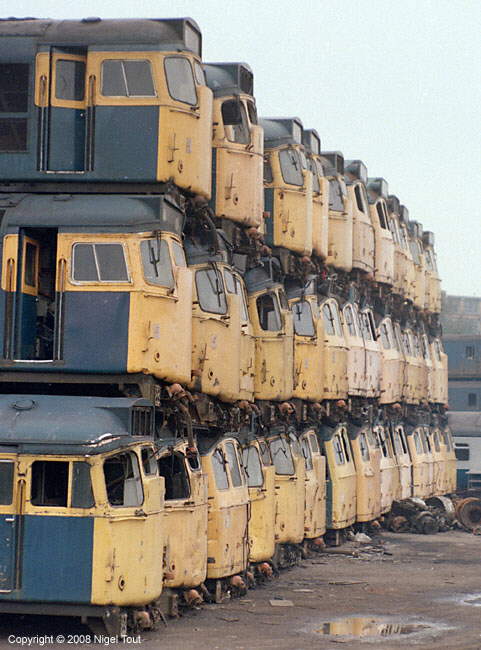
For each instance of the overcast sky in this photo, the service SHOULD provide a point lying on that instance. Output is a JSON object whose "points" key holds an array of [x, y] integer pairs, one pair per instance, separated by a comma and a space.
{"points": [[397, 84]]}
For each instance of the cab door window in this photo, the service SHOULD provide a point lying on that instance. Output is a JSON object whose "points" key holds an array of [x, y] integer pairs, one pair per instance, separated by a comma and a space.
{"points": [[127, 78], [70, 80], [180, 79], [156, 262], [123, 481]]}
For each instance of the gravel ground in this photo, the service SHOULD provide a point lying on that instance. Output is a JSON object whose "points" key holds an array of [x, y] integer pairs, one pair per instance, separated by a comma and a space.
{"points": [[420, 581]]}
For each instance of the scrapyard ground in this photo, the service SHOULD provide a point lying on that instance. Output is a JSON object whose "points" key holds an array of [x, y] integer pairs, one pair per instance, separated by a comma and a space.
{"points": [[422, 580]]}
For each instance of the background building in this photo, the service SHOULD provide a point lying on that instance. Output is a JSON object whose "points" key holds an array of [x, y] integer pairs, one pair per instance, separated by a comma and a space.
{"points": [[461, 319]]}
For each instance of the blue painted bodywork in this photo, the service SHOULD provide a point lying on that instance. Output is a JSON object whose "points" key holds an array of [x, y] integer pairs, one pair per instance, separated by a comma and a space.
{"points": [[8, 525], [66, 146], [56, 559], [95, 333]]}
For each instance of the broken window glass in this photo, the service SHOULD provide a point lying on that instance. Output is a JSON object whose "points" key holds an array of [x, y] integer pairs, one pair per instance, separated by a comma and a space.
{"points": [[82, 495], [268, 311], [281, 457], [235, 121], [172, 468], [123, 481], [49, 483]]}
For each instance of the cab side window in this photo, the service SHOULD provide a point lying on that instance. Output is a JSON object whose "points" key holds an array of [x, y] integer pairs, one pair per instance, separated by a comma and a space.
{"points": [[6, 482], [99, 263], [49, 483], [127, 78], [180, 80]]}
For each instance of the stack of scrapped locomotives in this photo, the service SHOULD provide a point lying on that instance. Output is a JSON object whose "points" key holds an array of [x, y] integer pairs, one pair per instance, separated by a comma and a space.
{"points": [[219, 343]]}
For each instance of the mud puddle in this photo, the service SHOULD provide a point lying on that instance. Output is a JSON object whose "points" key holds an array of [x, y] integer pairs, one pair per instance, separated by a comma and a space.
{"points": [[371, 628]]}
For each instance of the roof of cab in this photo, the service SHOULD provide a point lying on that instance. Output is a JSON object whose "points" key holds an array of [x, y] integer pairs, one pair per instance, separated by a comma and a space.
{"points": [[163, 33], [92, 212], [226, 79], [53, 424]]}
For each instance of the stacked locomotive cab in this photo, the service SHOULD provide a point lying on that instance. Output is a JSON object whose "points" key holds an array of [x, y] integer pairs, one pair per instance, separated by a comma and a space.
{"points": [[242, 329]]}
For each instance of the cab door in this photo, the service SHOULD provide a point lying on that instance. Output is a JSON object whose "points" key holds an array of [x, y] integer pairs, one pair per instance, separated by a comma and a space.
{"points": [[63, 116], [9, 521], [27, 298]]}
